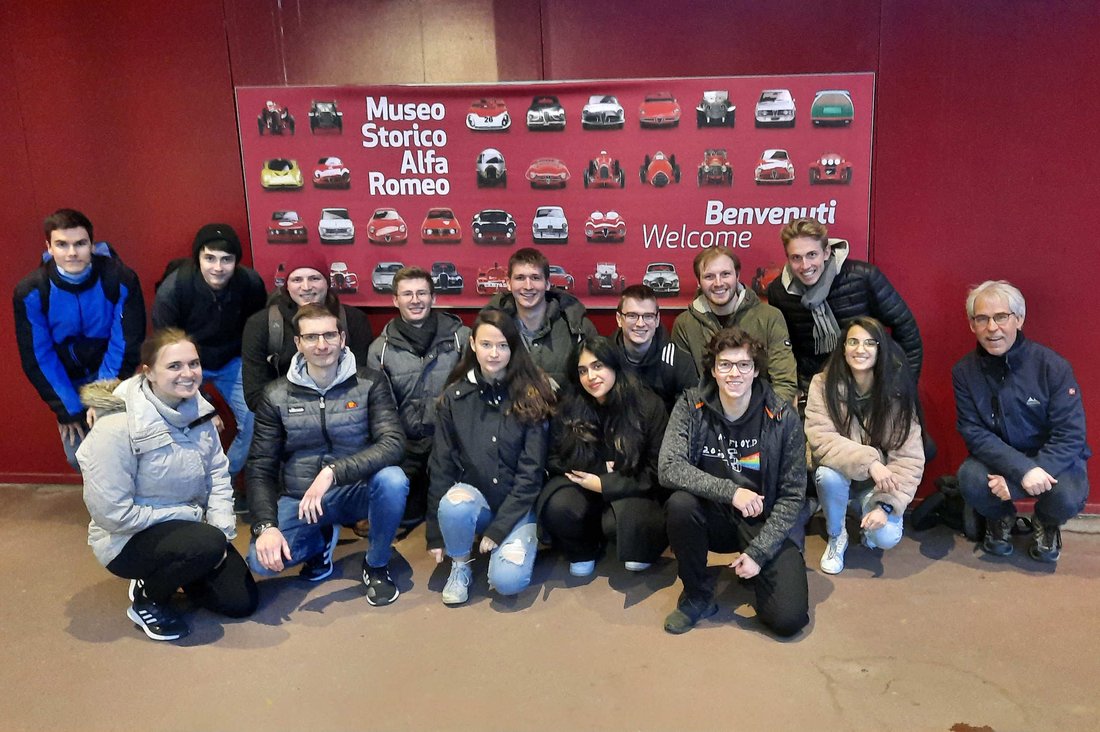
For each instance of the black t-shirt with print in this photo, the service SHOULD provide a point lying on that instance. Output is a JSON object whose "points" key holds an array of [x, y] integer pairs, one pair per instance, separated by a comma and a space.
{"points": [[733, 447]]}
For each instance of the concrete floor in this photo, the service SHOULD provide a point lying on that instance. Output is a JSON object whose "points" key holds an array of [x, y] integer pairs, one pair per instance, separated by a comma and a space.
{"points": [[931, 637]]}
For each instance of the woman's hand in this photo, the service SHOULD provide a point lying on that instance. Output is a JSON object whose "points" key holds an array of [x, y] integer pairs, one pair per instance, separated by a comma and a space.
{"points": [[437, 555], [487, 545], [748, 503], [872, 520], [885, 480], [588, 481]]}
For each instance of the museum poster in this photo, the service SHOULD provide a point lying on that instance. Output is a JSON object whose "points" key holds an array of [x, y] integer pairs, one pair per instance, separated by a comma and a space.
{"points": [[619, 182]]}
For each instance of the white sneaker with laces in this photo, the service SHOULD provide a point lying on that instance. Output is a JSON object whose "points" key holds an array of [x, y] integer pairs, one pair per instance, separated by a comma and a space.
{"points": [[832, 561], [457, 589]]}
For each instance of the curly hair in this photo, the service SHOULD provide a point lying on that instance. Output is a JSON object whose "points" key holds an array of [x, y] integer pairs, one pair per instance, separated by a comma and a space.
{"points": [[733, 337]]}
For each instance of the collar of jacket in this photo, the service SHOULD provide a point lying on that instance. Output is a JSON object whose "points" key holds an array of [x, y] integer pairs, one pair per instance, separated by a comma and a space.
{"points": [[299, 375], [98, 263], [148, 429], [653, 354], [559, 304], [839, 255], [706, 397]]}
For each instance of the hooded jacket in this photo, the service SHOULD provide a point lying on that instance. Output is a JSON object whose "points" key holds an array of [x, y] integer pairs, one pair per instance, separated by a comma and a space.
{"points": [[144, 463], [782, 462], [694, 328], [665, 368], [301, 427], [851, 457], [859, 288], [564, 327]]}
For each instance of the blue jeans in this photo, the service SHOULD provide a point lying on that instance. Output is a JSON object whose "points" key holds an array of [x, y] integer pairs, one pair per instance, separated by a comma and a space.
{"points": [[227, 380], [1055, 507], [381, 498], [836, 492], [511, 563]]}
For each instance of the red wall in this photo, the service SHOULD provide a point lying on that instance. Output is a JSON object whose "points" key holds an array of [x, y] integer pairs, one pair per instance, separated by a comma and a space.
{"points": [[983, 156]]}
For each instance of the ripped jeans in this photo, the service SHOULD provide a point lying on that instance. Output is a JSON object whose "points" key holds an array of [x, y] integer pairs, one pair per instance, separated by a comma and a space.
{"points": [[461, 519]]}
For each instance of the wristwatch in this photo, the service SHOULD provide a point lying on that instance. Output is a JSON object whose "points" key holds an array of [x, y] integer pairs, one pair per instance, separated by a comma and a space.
{"points": [[886, 507], [260, 527]]}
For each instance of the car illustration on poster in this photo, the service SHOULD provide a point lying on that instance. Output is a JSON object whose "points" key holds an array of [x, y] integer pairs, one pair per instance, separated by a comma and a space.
{"points": [[605, 227], [441, 227], [493, 226], [275, 119], [550, 225], [491, 170], [331, 173], [381, 280], [560, 279], [659, 110], [830, 168], [832, 108], [325, 116], [606, 280], [715, 109], [603, 111], [336, 226], [661, 277], [604, 171], [286, 228], [715, 170], [764, 277], [660, 170], [547, 173], [489, 115], [281, 173], [280, 275], [545, 113], [387, 227], [775, 109], [446, 278], [341, 280], [774, 166], [492, 280]]}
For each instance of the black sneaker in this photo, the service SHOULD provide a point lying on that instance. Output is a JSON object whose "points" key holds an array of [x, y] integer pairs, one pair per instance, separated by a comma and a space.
{"points": [[320, 566], [158, 620], [688, 613], [1046, 545], [998, 536], [136, 585], [380, 587]]}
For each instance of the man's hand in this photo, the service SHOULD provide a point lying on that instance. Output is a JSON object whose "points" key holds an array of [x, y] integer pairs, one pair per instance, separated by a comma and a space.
{"points": [[588, 481], [748, 503], [487, 545], [309, 508], [271, 549], [1036, 481], [885, 480], [999, 487], [875, 519], [71, 432], [437, 555], [745, 566]]}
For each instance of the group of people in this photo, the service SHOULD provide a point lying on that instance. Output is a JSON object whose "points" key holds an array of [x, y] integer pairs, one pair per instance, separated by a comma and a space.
{"points": [[526, 427]]}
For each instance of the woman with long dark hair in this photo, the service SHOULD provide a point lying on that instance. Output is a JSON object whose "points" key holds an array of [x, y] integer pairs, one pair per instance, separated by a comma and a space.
{"points": [[605, 440], [863, 428], [488, 461]]}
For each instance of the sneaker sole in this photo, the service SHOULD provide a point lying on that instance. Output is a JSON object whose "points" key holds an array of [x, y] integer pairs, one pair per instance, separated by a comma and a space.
{"points": [[379, 603], [831, 571], [149, 631]]}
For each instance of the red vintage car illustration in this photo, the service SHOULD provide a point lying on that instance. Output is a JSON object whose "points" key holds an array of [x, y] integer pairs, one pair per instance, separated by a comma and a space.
{"points": [[492, 280], [560, 279], [775, 166], [547, 173], [659, 110], [830, 168], [660, 170], [387, 227], [604, 171], [275, 119], [331, 173], [441, 227], [341, 280], [488, 114], [286, 228], [715, 169], [602, 226], [606, 280]]}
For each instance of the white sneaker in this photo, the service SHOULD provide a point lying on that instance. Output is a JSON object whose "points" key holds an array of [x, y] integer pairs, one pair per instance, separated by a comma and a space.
{"points": [[637, 566], [582, 569], [832, 561], [457, 589]]}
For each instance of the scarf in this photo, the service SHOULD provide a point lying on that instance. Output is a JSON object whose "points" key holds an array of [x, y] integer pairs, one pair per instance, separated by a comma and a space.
{"points": [[826, 329], [420, 339]]}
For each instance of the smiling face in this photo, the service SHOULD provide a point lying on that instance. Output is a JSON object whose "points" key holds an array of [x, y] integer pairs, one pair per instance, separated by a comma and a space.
{"points": [[306, 285], [862, 356], [596, 377], [320, 341], [996, 338], [71, 249], [528, 285], [216, 267], [638, 321], [176, 374], [413, 299], [807, 258], [734, 386], [492, 351], [718, 281]]}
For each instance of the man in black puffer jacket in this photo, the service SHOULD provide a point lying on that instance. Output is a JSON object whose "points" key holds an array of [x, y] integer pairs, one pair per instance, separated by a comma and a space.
{"points": [[820, 288]]}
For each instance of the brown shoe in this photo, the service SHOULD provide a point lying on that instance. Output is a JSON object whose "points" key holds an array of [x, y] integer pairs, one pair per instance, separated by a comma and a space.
{"points": [[361, 528]]}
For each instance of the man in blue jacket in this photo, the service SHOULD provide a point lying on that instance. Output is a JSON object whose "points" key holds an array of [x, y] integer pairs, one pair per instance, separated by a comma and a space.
{"points": [[79, 317], [1020, 412]]}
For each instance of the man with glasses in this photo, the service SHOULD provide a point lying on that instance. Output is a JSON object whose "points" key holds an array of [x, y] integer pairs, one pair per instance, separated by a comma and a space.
{"points": [[326, 448], [646, 349], [723, 302], [417, 350], [1020, 413]]}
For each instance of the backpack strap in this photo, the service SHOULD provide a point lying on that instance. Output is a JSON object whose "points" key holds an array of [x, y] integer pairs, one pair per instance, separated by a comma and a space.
{"points": [[275, 326]]}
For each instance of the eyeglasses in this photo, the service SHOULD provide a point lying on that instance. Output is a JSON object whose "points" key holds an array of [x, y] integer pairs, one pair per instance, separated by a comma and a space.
{"points": [[725, 367], [332, 337], [647, 318], [983, 320], [869, 343]]}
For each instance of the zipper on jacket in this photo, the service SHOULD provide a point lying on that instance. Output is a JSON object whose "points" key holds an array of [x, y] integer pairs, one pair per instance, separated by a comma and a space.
{"points": [[324, 425]]}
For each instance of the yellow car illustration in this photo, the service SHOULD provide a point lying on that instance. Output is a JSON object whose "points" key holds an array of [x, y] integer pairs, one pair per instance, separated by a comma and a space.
{"points": [[281, 173]]}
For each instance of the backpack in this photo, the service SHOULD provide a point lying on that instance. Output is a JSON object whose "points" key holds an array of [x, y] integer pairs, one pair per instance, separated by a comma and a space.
{"points": [[169, 268], [276, 324]]}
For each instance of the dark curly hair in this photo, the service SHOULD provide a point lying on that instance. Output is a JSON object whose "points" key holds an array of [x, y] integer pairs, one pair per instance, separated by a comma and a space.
{"points": [[733, 337]]}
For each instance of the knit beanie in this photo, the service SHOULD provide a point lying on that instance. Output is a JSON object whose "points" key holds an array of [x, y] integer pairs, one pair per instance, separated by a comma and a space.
{"points": [[307, 260], [219, 237]]}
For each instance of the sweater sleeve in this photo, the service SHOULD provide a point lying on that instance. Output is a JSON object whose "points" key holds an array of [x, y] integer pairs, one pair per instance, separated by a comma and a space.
{"points": [[676, 469], [828, 445], [907, 463]]}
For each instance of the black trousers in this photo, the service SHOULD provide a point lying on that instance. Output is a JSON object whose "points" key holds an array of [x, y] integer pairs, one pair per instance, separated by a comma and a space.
{"points": [[696, 526], [188, 554], [580, 521]]}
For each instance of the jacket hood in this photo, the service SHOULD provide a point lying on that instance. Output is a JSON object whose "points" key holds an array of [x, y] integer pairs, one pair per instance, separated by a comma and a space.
{"points": [[299, 375], [100, 396], [707, 396]]}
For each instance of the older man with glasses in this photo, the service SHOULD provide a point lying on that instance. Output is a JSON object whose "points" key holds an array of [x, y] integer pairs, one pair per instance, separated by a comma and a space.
{"points": [[646, 349], [1020, 412]]}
